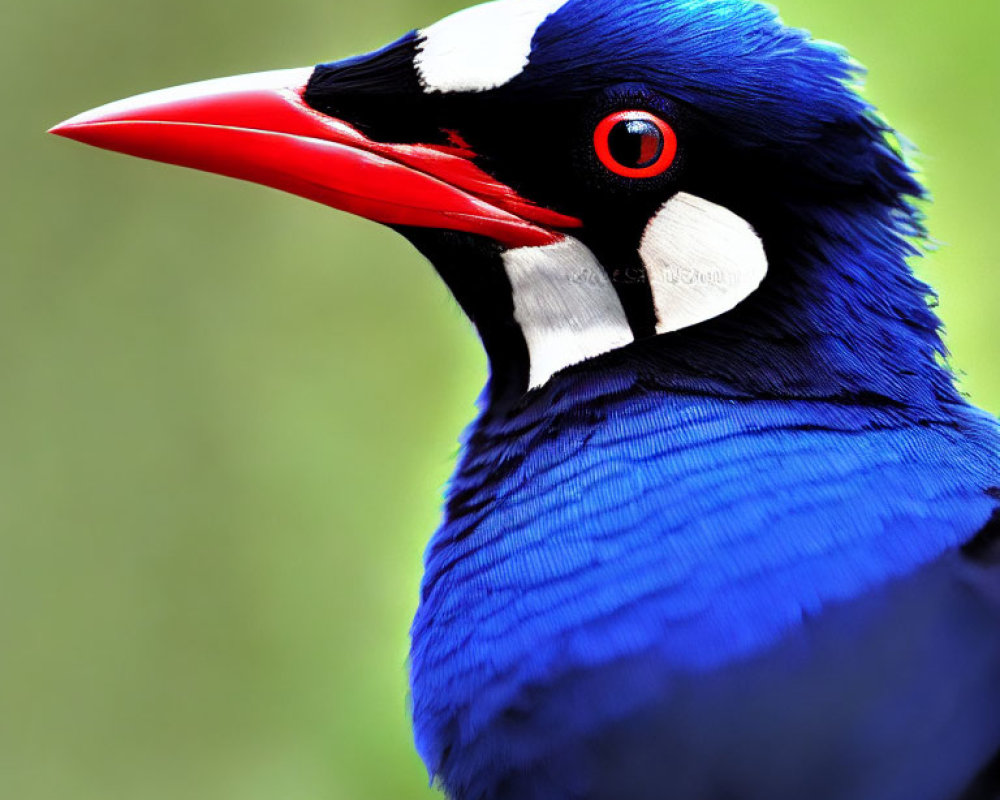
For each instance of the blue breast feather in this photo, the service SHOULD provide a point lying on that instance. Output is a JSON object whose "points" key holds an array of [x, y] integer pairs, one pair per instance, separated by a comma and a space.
{"points": [[700, 529]]}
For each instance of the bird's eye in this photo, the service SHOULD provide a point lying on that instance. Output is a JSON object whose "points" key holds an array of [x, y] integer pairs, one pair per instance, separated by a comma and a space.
{"points": [[635, 144]]}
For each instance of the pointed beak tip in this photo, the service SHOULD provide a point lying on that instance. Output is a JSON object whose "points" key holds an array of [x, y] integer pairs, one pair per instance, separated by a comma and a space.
{"points": [[70, 128], [74, 131]]}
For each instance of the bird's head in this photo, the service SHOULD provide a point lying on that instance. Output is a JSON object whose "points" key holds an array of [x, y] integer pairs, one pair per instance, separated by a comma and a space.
{"points": [[688, 184]]}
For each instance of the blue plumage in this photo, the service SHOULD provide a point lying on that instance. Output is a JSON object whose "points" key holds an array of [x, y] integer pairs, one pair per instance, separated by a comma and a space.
{"points": [[750, 497], [690, 531]]}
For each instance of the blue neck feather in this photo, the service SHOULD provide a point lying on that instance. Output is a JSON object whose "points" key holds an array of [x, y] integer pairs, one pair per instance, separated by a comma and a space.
{"points": [[700, 493], [691, 498]]}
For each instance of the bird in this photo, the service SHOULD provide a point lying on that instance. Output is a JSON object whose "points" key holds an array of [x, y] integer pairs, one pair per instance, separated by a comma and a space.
{"points": [[723, 527]]}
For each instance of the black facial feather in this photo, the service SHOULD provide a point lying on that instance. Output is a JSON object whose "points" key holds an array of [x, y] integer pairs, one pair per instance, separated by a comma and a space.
{"points": [[379, 93], [541, 146]]}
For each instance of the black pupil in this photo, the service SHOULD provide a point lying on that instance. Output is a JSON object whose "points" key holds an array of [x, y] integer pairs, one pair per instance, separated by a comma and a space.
{"points": [[635, 143]]}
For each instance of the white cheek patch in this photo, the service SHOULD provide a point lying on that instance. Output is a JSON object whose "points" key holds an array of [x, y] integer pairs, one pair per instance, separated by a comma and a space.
{"points": [[565, 304], [701, 259], [482, 47]]}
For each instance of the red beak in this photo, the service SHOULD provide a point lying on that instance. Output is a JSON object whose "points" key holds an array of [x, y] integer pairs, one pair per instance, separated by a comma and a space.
{"points": [[258, 128]]}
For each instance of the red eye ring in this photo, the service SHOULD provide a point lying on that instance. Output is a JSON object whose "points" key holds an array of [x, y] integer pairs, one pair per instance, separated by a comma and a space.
{"points": [[657, 164]]}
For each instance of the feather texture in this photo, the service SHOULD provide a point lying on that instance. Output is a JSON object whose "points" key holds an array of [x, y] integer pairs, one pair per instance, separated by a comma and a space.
{"points": [[645, 560]]}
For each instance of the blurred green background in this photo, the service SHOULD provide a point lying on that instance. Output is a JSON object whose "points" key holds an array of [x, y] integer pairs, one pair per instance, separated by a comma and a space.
{"points": [[227, 413]]}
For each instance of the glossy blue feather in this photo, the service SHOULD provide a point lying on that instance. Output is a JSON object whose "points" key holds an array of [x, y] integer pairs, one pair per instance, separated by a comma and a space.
{"points": [[702, 529], [753, 490]]}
